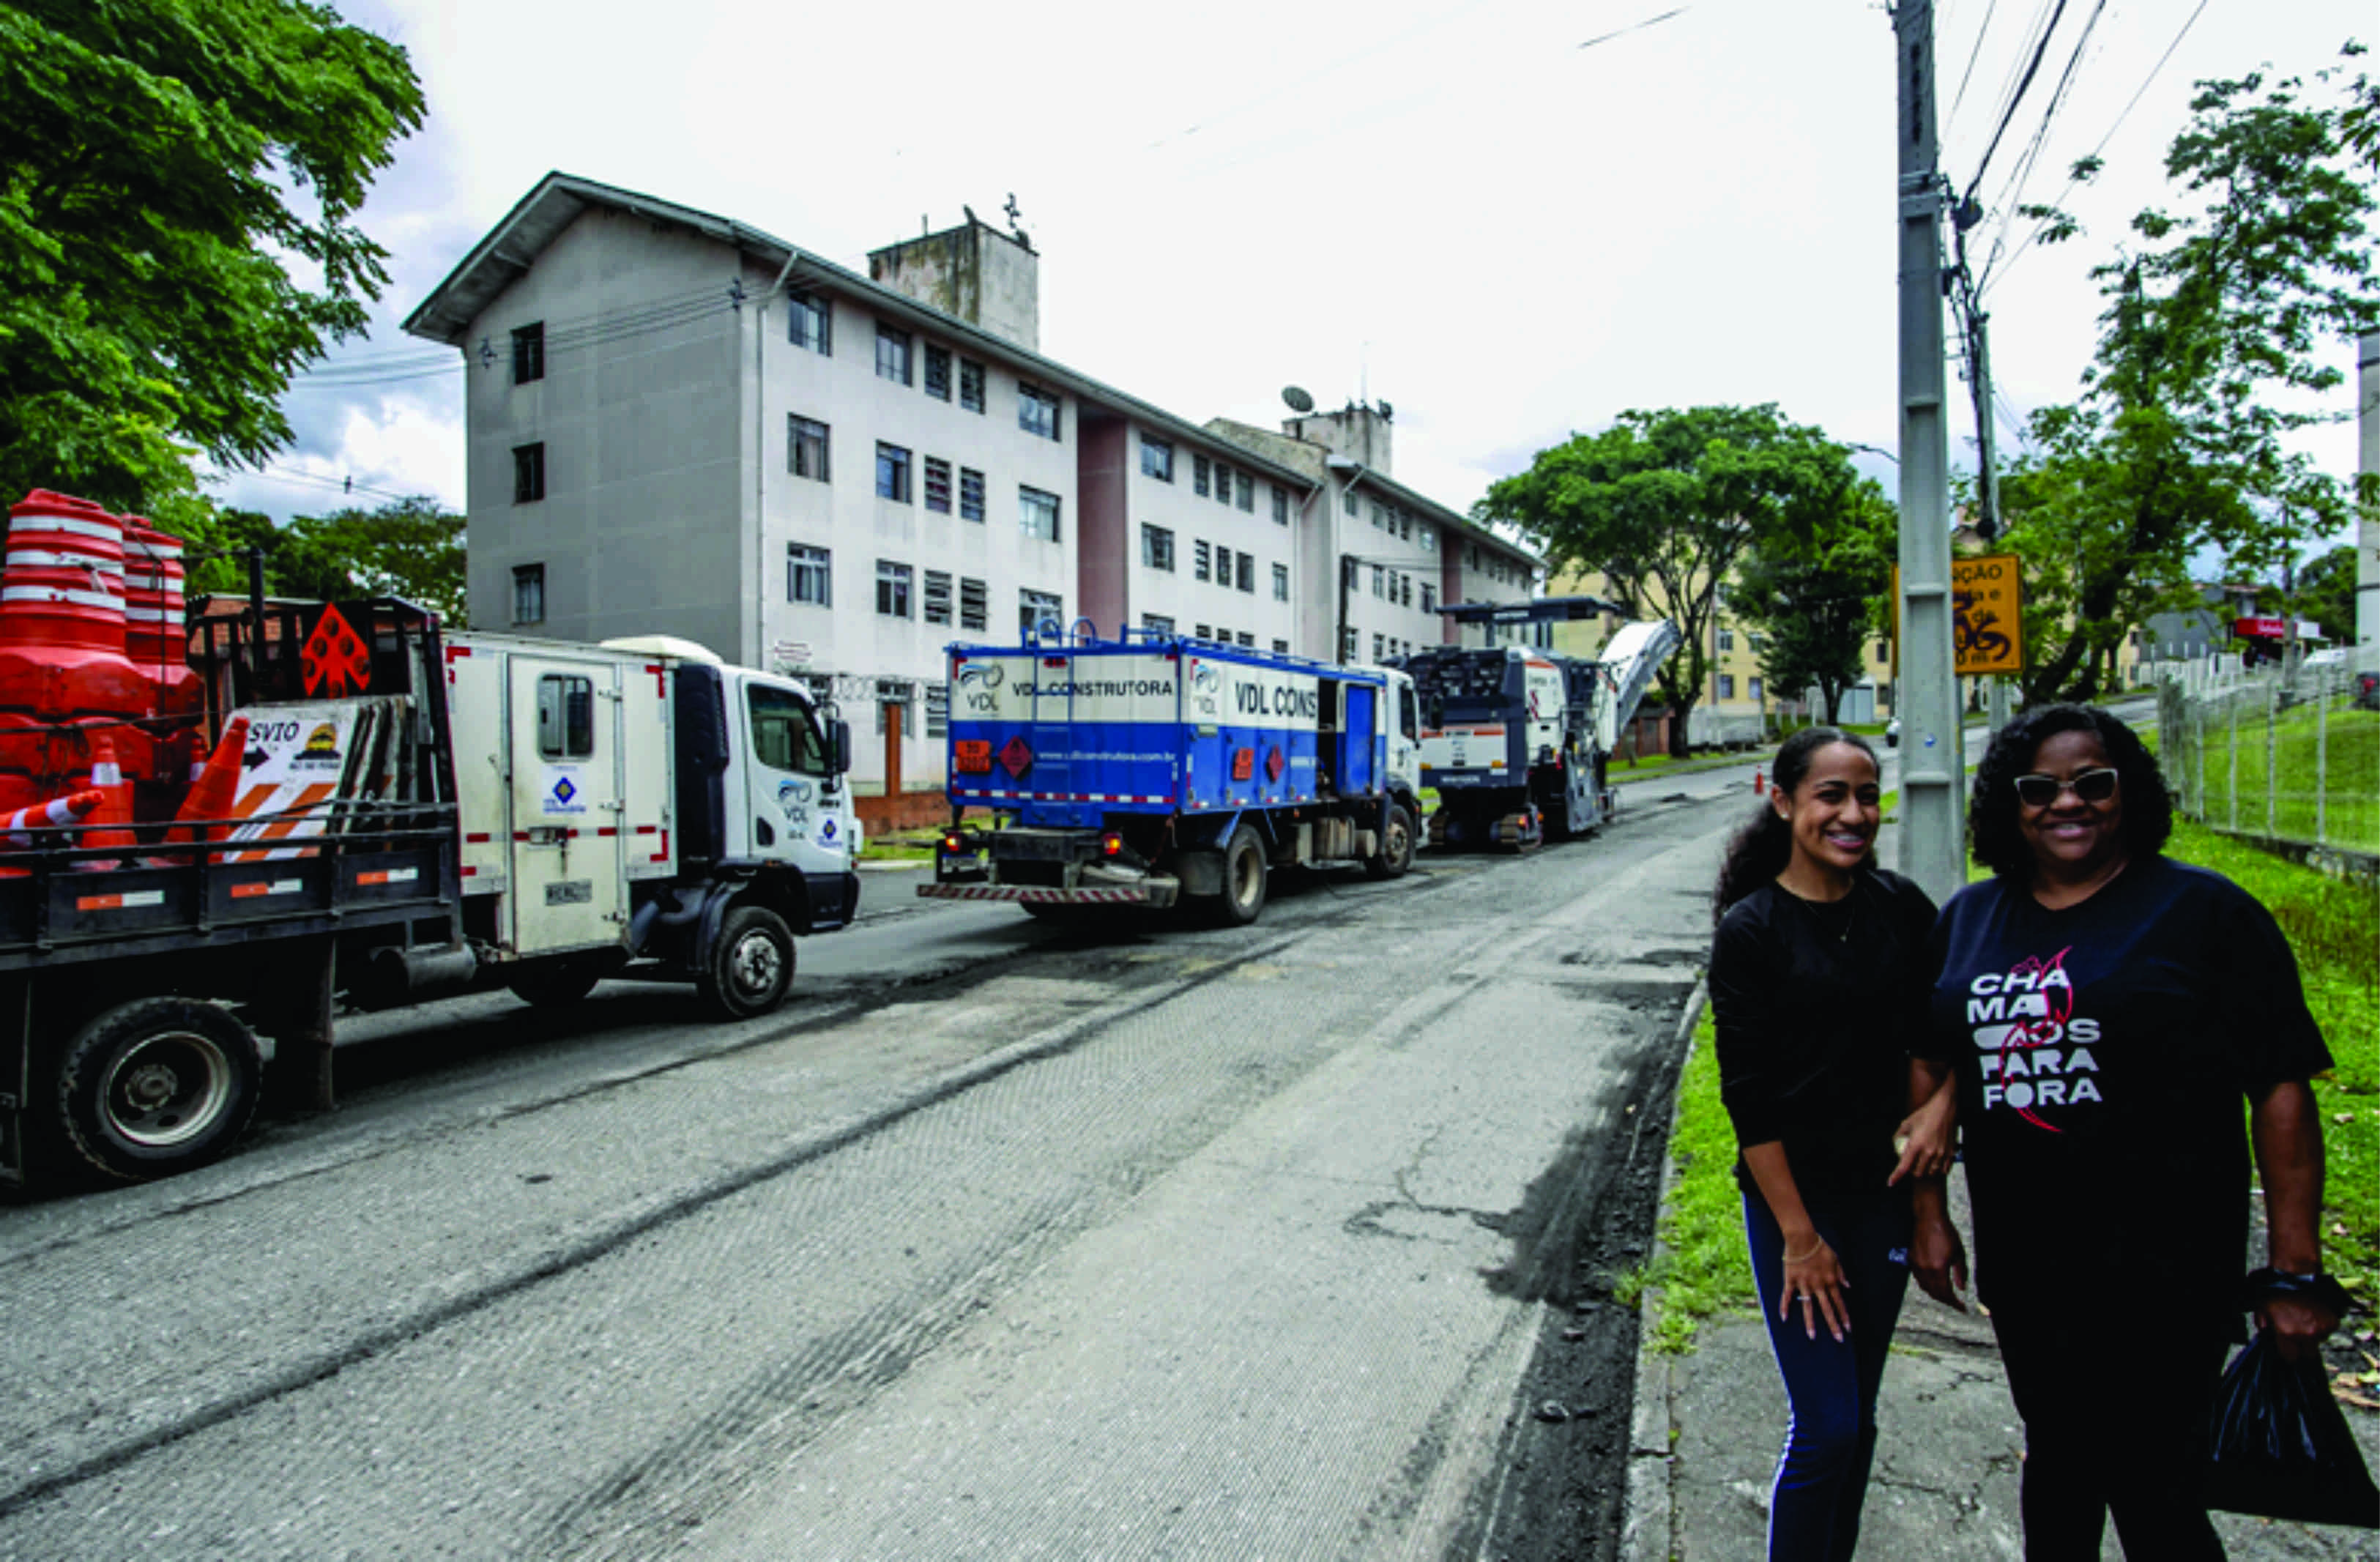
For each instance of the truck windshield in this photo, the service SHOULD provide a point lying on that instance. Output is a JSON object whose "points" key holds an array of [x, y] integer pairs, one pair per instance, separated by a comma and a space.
{"points": [[784, 735]]}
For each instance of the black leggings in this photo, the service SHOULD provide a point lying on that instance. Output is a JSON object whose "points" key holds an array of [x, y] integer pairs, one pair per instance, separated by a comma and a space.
{"points": [[2112, 1425]]}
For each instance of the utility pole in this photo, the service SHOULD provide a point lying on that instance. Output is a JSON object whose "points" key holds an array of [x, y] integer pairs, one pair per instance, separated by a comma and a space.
{"points": [[1974, 329], [1932, 765]]}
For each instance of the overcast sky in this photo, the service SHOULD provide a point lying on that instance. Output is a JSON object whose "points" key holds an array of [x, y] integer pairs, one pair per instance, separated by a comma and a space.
{"points": [[1450, 205]]}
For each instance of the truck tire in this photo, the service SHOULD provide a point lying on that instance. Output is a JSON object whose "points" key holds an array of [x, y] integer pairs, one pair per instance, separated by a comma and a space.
{"points": [[1245, 877], [750, 966], [1396, 846], [157, 1086], [555, 984]]}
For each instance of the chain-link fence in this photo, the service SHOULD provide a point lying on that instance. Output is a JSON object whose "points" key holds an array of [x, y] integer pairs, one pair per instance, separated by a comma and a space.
{"points": [[2291, 756]]}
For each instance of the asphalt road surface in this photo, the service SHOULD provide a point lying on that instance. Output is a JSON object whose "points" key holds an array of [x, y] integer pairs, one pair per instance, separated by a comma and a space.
{"points": [[1000, 1242]]}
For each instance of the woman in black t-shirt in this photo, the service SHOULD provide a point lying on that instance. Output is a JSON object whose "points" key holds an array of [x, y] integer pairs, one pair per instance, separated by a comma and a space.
{"points": [[2106, 1010], [1819, 981]]}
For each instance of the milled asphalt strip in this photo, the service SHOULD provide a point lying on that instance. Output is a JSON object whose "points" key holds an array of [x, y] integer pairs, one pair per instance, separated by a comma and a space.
{"points": [[1057, 1040], [1648, 1522]]}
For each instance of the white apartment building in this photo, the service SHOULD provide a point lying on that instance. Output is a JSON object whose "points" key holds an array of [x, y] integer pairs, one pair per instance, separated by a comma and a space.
{"points": [[679, 424]]}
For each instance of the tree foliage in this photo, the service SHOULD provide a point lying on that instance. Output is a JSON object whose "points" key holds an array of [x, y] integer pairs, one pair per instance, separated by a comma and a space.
{"points": [[1663, 505], [169, 170], [1817, 597], [2326, 593], [2220, 336], [412, 547]]}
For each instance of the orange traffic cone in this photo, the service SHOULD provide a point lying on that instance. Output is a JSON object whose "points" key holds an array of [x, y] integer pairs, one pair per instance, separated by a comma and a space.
{"points": [[111, 822], [1759, 786], [16, 829], [215, 787]]}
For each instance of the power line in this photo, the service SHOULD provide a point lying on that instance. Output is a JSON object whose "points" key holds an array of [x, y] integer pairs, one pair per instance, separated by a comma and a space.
{"points": [[2040, 50], [2042, 226], [1973, 56], [2031, 161]]}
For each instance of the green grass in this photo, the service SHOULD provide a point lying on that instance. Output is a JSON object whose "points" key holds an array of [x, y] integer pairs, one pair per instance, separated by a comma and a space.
{"points": [[2350, 800], [2334, 928], [901, 846]]}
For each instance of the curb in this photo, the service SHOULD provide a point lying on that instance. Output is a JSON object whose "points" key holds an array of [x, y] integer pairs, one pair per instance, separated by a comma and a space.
{"points": [[1648, 1518]]}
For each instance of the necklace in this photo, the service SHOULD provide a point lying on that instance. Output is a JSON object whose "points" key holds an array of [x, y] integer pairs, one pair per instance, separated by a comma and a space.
{"points": [[1824, 912]]}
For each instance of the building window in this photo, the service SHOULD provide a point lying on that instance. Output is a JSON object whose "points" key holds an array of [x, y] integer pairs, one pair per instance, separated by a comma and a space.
{"points": [[529, 353], [809, 324], [1245, 494], [1157, 624], [1036, 412], [1202, 476], [1378, 650], [975, 604], [970, 494], [892, 589], [1754, 643], [809, 576], [1429, 598], [891, 473], [1035, 609], [1354, 508], [1203, 632], [529, 594], [1347, 643], [938, 372], [1222, 484], [1281, 582], [971, 384], [1428, 538], [529, 473], [938, 595], [1247, 639], [1155, 459], [1756, 688], [1727, 640], [1157, 547], [1884, 650], [1202, 560], [1282, 647], [938, 485], [1726, 686], [938, 710], [892, 355], [1039, 513], [891, 692], [1279, 505], [1380, 581], [805, 447], [1248, 573]]}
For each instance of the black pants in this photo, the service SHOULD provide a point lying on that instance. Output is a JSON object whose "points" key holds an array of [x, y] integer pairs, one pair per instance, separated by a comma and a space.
{"points": [[2115, 1421]]}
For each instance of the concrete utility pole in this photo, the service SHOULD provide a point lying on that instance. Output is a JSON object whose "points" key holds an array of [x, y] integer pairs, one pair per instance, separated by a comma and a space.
{"points": [[1988, 487], [2367, 537], [1933, 765]]}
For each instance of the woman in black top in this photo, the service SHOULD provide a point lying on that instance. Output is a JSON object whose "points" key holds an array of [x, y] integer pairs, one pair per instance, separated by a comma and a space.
{"points": [[1818, 982], [2108, 1011]]}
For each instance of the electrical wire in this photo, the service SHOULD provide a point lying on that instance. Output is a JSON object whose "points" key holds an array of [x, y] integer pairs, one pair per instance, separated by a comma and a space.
{"points": [[2028, 163], [2040, 49], [1973, 56], [2042, 226]]}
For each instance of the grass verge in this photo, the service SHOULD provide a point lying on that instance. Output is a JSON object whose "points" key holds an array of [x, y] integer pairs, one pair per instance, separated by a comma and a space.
{"points": [[2335, 930]]}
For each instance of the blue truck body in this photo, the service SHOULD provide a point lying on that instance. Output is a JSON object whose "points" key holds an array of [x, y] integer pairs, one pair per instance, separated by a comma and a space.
{"points": [[1127, 772]]}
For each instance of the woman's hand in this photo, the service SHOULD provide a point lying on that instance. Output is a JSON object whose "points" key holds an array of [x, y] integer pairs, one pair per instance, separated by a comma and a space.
{"points": [[1815, 1281], [1938, 1259], [1927, 1136]]}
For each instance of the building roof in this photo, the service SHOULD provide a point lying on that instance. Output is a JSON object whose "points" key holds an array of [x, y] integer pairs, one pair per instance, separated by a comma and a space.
{"points": [[512, 246]]}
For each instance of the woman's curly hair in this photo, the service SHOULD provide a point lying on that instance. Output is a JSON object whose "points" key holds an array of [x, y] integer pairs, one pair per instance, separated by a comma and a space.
{"points": [[1992, 832]]}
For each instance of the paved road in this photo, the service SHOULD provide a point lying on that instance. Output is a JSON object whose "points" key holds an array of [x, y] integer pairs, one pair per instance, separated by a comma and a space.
{"points": [[997, 1244]]}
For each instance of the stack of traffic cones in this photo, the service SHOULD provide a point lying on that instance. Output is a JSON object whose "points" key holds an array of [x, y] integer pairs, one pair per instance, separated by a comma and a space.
{"points": [[215, 788], [111, 823]]}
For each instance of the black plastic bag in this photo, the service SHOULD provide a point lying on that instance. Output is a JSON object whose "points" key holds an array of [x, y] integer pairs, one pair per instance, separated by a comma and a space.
{"points": [[2279, 1445]]}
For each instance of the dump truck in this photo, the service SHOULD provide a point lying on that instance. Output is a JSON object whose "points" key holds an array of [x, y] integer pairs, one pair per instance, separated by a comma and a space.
{"points": [[1516, 741], [381, 813], [1161, 769]]}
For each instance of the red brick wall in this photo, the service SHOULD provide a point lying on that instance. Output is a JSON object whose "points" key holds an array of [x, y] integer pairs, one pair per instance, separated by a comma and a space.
{"points": [[910, 810]]}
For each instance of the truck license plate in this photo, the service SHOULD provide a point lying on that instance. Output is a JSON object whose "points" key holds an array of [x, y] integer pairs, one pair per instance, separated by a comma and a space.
{"points": [[571, 892]]}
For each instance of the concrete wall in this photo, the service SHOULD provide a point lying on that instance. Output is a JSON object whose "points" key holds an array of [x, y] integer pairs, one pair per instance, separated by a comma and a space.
{"points": [[1217, 605], [1359, 433], [979, 274], [638, 531], [1400, 553]]}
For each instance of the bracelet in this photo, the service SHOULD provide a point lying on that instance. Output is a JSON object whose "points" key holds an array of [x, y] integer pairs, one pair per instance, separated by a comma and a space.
{"points": [[1805, 1257], [2318, 1286]]}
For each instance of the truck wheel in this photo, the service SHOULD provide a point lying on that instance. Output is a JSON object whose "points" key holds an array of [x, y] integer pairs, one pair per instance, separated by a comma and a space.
{"points": [[158, 1086], [1396, 847], [555, 984], [1243, 880], [750, 966]]}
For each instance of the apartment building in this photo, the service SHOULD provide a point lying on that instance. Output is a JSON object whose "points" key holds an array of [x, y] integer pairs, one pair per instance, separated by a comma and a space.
{"points": [[680, 424]]}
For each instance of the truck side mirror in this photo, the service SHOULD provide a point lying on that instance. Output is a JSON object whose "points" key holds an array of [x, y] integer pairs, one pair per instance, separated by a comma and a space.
{"points": [[842, 748]]}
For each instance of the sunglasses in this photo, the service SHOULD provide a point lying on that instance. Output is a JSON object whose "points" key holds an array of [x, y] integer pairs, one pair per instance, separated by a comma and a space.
{"points": [[2090, 786]]}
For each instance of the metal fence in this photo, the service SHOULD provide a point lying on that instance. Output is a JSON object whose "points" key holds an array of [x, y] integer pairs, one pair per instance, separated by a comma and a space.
{"points": [[2286, 757]]}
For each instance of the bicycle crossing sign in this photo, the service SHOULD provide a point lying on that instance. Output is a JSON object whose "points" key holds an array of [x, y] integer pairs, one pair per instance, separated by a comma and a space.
{"points": [[1987, 619]]}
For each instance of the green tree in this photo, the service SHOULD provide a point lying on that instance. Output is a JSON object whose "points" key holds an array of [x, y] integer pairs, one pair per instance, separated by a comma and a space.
{"points": [[413, 548], [166, 166], [2326, 593], [2217, 344], [1663, 505], [1816, 597]]}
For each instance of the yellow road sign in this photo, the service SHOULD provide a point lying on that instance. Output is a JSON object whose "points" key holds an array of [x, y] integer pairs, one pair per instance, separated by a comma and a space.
{"points": [[1986, 618]]}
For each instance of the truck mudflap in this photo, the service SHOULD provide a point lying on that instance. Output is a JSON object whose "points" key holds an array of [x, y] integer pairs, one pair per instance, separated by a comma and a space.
{"points": [[1153, 892]]}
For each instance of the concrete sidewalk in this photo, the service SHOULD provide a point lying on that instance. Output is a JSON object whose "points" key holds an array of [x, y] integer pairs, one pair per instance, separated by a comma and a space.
{"points": [[1709, 1425]]}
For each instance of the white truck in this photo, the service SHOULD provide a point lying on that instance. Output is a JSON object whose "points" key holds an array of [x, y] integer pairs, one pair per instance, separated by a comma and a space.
{"points": [[415, 814]]}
